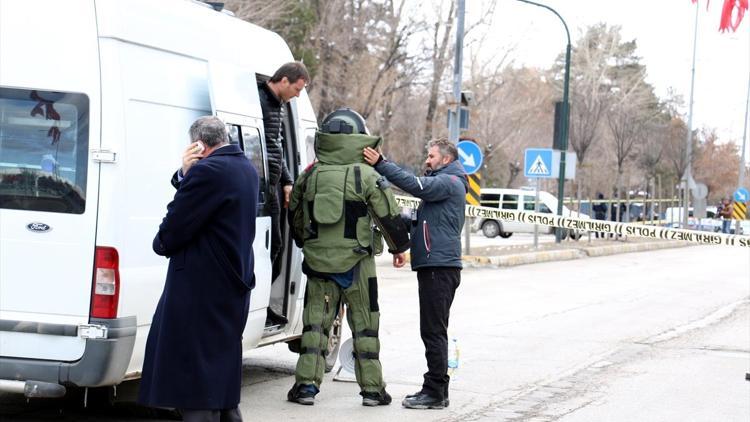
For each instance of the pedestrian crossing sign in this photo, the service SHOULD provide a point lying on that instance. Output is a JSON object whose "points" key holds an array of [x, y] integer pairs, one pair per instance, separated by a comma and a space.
{"points": [[538, 163]]}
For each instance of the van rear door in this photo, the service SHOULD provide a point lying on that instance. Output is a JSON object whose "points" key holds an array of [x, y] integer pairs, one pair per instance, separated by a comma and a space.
{"points": [[49, 114]]}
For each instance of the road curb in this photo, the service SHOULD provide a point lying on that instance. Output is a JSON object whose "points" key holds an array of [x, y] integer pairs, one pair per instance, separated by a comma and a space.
{"points": [[513, 260]]}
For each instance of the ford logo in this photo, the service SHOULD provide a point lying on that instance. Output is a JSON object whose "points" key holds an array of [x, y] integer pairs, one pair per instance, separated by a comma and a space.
{"points": [[38, 227]]}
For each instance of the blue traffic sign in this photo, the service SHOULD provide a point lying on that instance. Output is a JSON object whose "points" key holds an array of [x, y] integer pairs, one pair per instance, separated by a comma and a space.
{"points": [[537, 162], [741, 195], [470, 156]]}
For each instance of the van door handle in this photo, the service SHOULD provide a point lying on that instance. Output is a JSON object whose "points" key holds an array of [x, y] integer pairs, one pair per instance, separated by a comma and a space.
{"points": [[268, 239]]}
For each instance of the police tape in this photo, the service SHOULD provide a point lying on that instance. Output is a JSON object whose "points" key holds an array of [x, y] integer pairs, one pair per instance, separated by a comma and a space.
{"points": [[580, 224]]}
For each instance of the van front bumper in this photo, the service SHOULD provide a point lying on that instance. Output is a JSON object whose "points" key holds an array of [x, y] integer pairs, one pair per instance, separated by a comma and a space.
{"points": [[104, 362]]}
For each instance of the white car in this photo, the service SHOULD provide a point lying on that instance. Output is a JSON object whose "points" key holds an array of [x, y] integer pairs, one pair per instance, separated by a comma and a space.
{"points": [[519, 200]]}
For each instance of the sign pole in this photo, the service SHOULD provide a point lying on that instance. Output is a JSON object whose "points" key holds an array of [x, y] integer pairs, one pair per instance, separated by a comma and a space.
{"points": [[536, 209]]}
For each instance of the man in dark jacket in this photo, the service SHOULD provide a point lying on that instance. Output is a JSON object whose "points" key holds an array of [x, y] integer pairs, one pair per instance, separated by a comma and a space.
{"points": [[600, 211], [288, 81], [435, 255], [194, 351]]}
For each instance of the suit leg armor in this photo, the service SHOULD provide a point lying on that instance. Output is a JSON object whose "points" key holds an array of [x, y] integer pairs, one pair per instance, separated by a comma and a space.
{"points": [[321, 304], [363, 315]]}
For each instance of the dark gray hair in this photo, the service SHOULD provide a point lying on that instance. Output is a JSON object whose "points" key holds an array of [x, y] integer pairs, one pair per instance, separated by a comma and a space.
{"points": [[292, 71], [445, 147], [209, 129]]}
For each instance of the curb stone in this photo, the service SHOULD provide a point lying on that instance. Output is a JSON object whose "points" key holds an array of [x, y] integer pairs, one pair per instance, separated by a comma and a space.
{"points": [[512, 260]]}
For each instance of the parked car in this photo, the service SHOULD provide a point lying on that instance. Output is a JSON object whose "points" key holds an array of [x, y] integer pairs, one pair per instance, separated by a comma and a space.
{"points": [[519, 200], [711, 222]]}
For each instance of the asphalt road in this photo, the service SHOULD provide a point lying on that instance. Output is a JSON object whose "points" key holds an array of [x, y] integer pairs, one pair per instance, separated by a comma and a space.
{"points": [[655, 336]]}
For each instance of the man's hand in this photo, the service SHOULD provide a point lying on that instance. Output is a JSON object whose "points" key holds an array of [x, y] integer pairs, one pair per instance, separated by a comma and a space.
{"points": [[287, 195], [371, 156], [399, 259], [192, 154]]}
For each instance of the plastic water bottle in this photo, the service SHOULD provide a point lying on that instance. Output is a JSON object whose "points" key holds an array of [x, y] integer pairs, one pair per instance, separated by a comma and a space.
{"points": [[453, 356]]}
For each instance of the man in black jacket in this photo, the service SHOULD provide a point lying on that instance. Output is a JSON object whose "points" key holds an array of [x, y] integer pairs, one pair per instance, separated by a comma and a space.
{"points": [[288, 81]]}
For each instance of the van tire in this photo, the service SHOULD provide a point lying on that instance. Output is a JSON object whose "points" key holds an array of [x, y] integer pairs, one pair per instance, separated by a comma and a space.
{"points": [[506, 235], [491, 229]]}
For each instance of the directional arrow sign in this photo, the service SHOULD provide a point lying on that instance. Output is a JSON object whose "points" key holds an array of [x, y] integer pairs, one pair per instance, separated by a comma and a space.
{"points": [[741, 195], [470, 156]]}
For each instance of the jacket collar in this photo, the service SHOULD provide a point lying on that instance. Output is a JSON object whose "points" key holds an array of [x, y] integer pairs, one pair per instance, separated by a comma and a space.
{"points": [[272, 95], [230, 149]]}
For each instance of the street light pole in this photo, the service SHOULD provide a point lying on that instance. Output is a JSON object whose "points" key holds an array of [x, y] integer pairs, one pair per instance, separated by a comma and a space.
{"points": [[453, 122], [689, 140], [565, 114], [741, 176]]}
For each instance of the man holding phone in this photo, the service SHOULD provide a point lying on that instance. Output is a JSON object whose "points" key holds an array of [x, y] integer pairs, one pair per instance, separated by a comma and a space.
{"points": [[193, 359]]}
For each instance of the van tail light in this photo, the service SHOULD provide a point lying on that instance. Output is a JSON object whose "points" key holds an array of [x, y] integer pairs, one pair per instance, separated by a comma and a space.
{"points": [[105, 292]]}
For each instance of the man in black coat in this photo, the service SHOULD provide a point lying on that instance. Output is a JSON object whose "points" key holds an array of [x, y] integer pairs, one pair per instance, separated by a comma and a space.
{"points": [[194, 351], [287, 83]]}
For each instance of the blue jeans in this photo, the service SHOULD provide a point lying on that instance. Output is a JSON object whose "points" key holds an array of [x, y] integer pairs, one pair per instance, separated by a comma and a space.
{"points": [[726, 226]]}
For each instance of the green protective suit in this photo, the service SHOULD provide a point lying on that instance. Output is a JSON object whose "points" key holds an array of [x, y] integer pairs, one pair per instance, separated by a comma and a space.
{"points": [[341, 209]]}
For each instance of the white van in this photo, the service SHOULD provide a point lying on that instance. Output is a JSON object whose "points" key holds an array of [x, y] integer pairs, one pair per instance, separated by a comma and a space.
{"points": [[520, 200], [96, 98]]}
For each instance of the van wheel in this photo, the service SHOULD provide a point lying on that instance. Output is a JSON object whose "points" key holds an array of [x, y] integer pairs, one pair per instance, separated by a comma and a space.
{"points": [[334, 340], [506, 235], [490, 229], [575, 235]]}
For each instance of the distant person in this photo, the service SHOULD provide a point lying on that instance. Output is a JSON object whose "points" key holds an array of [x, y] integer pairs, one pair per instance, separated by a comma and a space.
{"points": [[725, 212], [617, 213], [193, 359], [435, 255], [286, 83], [600, 211]]}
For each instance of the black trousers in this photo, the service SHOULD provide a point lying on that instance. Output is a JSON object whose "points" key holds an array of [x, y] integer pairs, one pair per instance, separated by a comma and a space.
{"points": [[225, 415], [437, 287]]}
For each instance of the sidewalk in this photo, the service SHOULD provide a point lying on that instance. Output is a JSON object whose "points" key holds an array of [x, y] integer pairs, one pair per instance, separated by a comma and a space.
{"points": [[502, 253]]}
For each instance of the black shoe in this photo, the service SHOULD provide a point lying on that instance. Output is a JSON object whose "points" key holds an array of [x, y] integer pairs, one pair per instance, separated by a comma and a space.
{"points": [[376, 399], [302, 394], [446, 402], [423, 401]]}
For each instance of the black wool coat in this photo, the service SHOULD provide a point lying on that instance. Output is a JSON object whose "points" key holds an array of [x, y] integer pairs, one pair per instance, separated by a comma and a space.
{"points": [[194, 352]]}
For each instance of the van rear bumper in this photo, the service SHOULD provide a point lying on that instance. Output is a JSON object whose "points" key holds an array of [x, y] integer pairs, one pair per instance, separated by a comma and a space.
{"points": [[104, 360]]}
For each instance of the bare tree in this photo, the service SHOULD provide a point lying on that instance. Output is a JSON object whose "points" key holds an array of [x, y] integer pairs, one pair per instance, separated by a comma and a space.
{"points": [[261, 12], [440, 60]]}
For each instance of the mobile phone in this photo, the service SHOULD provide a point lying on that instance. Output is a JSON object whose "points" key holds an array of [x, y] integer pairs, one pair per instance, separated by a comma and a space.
{"points": [[201, 147]]}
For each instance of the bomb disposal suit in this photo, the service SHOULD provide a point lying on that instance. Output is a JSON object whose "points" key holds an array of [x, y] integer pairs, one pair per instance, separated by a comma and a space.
{"points": [[341, 210]]}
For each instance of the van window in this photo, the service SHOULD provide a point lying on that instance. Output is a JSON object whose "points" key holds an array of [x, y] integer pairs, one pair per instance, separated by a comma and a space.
{"points": [[528, 203], [310, 145], [43, 150], [510, 202], [491, 200], [253, 146]]}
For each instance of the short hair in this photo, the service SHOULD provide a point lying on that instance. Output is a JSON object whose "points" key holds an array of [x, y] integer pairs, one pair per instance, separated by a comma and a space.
{"points": [[209, 129], [292, 71], [445, 147]]}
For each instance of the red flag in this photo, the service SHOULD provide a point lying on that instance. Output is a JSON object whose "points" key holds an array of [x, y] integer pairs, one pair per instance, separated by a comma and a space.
{"points": [[726, 23], [727, 11]]}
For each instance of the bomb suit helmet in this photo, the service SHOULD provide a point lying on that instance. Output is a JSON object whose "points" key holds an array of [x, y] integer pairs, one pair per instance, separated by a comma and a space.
{"points": [[344, 121]]}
